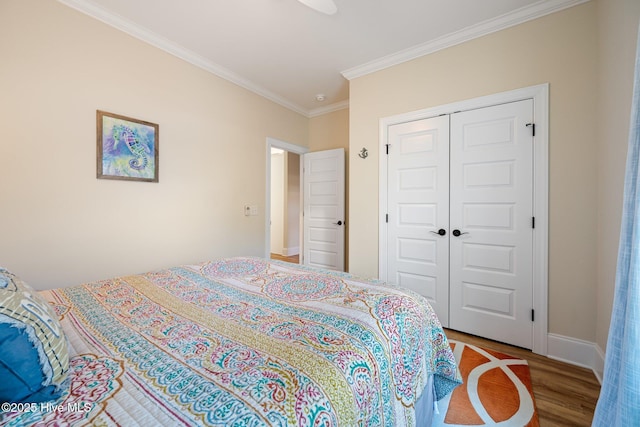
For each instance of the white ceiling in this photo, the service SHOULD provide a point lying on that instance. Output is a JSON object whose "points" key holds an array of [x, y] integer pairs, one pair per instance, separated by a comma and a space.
{"points": [[289, 53]]}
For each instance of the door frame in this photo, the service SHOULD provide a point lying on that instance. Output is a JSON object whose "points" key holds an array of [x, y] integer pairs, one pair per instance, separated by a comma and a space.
{"points": [[293, 148], [540, 96]]}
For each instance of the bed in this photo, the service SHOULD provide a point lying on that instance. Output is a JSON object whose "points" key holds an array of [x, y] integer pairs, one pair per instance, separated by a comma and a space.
{"points": [[245, 342]]}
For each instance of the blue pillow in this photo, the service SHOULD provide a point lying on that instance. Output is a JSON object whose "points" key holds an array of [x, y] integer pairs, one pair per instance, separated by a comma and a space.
{"points": [[34, 358]]}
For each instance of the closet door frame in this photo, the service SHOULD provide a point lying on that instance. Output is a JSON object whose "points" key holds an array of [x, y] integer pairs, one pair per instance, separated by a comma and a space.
{"points": [[540, 96]]}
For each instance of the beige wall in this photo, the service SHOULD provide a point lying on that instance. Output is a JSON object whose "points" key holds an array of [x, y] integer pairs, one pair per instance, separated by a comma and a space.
{"points": [[292, 231], [278, 202], [327, 132], [559, 49], [617, 33], [59, 225]]}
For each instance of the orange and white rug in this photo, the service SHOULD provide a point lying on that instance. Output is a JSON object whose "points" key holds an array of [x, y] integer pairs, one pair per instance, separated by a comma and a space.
{"points": [[496, 391]]}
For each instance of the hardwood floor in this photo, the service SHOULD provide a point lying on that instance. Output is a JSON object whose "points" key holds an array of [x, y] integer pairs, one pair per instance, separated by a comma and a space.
{"points": [[565, 394], [293, 258]]}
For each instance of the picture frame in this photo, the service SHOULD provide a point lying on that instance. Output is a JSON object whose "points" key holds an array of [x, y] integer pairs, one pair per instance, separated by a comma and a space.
{"points": [[127, 148]]}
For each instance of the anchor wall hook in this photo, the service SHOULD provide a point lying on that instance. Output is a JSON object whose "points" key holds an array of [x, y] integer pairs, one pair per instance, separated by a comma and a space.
{"points": [[363, 153]]}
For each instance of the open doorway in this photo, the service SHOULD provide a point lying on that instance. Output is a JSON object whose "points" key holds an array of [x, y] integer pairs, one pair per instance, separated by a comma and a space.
{"points": [[285, 206], [283, 228], [321, 209]]}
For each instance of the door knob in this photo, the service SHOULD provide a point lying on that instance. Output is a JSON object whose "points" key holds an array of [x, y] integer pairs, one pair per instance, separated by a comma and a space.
{"points": [[458, 233], [338, 223], [440, 232]]}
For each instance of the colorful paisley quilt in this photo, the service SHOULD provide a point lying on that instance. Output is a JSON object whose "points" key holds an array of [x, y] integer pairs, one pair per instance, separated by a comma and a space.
{"points": [[245, 342]]}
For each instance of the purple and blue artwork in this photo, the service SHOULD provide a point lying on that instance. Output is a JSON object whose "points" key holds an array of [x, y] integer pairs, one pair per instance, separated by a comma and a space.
{"points": [[128, 149]]}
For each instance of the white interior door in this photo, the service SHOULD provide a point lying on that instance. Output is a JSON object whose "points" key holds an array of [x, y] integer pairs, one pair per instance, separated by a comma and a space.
{"points": [[491, 213], [323, 211], [418, 209]]}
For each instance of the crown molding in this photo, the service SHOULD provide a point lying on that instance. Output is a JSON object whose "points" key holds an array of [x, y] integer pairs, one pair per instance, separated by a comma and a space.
{"points": [[522, 15], [141, 33], [328, 109], [537, 10]]}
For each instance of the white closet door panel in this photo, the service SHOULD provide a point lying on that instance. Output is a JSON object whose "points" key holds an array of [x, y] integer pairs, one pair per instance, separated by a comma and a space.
{"points": [[418, 206], [491, 204]]}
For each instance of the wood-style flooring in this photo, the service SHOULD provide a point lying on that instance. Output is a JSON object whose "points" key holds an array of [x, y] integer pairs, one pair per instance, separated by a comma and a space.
{"points": [[293, 258], [565, 394]]}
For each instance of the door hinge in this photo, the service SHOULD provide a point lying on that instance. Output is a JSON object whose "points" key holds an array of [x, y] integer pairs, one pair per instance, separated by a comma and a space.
{"points": [[533, 316], [387, 145], [533, 128], [386, 218], [533, 222]]}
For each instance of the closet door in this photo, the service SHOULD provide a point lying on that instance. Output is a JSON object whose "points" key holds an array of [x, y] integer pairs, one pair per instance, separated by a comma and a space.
{"points": [[418, 209], [491, 244]]}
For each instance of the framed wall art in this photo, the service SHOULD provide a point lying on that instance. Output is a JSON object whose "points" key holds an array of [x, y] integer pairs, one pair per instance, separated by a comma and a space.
{"points": [[127, 149]]}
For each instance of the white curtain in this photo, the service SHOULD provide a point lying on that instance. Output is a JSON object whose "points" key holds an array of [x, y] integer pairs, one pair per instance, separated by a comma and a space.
{"points": [[619, 402]]}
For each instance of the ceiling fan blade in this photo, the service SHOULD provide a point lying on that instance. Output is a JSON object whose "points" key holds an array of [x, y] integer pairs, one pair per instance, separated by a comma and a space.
{"points": [[325, 6]]}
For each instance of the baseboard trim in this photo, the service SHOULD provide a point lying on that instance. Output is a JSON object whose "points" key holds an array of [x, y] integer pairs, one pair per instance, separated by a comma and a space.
{"points": [[576, 352], [599, 368], [291, 251]]}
